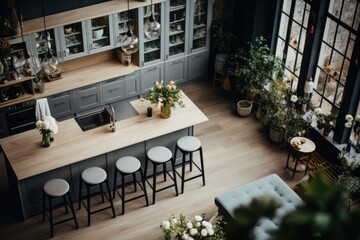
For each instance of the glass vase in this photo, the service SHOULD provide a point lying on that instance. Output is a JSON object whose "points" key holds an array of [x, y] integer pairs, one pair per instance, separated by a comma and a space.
{"points": [[165, 111], [45, 139], [327, 131]]}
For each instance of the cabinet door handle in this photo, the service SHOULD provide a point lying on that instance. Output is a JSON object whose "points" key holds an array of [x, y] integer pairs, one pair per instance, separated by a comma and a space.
{"points": [[58, 104], [114, 89], [88, 96], [152, 69], [175, 62]]}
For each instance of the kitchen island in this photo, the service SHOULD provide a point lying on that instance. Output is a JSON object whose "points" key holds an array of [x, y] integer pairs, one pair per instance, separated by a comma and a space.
{"points": [[29, 165]]}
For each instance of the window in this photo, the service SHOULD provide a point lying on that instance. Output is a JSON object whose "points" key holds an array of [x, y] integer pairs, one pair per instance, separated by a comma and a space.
{"points": [[318, 38]]}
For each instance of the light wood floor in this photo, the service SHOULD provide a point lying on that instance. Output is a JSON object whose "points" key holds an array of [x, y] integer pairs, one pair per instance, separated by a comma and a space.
{"points": [[236, 150]]}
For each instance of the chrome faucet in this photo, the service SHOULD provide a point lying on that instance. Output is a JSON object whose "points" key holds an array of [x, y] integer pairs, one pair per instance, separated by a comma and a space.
{"points": [[112, 118]]}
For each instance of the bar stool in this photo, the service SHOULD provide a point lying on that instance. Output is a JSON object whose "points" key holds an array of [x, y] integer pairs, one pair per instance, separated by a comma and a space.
{"points": [[52, 189], [91, 177], [189, 145], [301, 149], [129, 166], [160, 156]]}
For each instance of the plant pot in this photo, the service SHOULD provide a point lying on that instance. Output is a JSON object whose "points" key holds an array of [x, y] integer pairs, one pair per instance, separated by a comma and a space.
{"points": [[276, 135], [244, 107]]}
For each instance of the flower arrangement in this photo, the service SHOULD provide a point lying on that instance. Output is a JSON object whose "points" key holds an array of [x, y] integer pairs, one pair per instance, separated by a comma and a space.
{"points": [[349, 163], [351, 122], [47, 127], [185, 228], [167, 94], [325, 120]]}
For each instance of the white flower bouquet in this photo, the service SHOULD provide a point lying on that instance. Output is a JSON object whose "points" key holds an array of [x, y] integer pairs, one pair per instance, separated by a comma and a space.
{"points": [[197, 228], [48, 125]]}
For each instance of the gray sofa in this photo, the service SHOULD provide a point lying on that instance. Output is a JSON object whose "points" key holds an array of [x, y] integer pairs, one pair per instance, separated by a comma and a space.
{"points": [[271, 185]]}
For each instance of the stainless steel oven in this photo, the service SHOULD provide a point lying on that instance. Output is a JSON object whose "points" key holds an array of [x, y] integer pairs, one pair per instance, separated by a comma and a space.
{"points": [[20, 117]]}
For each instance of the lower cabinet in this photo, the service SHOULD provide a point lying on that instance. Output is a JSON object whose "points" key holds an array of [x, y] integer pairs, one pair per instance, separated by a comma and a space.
{"points": [[62, 105], [88, 98], [149, 75], [132, 85], [113, 90], [198, 66], [175, 70]]}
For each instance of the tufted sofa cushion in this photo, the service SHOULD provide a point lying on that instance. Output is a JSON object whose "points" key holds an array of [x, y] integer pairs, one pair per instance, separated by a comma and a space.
{"points": [[271, 185]]}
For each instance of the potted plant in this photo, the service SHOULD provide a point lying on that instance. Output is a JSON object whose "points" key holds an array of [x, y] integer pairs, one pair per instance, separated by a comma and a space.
{"points": [[244, 108], [259, 67]]}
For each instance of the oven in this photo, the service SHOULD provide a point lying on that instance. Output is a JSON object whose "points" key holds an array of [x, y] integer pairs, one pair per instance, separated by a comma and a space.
{"points": [[20, 117]]}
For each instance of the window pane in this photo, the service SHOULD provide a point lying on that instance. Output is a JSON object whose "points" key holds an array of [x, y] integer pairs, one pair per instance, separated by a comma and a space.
{"points": [[302, 40], [351, 45], [348, 12], [290, 59], [329, 32], [299, 11], [287, 6], [295, 34], [298, 64], [334, 7], [342, 37], [283, 26], [280, 48]]}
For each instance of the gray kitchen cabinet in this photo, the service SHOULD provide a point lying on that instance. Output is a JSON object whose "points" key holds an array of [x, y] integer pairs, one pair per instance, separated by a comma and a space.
{"points": [[176, 70], [88, 98], [151, 50], [113, 90], [149, 75], [100, 34], [43, 40], [132, 85], [3, 127], [62, 105], [198, 65]]}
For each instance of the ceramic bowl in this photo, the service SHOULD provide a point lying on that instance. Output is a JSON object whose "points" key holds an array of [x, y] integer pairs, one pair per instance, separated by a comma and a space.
{"points": [[98, 33], [68, 30]]}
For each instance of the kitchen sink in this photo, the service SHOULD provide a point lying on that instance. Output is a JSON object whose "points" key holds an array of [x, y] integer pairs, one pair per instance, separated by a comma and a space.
{"points": [[93, 120]]}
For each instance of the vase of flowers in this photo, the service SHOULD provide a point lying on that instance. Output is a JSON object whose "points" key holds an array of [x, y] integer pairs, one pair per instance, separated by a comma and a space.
{"points": [[193, 228], [325, 121], [47, 128], [355, 123], [166, 95]]}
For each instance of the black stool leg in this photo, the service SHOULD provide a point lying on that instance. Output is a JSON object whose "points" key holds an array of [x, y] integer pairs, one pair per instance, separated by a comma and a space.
{"points": [[115, 178], [154, 182], [122, 194], [134, 180], [51, 217], [287, 161], [144, 186], [202, 165], [72, 209], [174, 176], [65, 203], [102, 193], [164, 171], [88, 202], [146, 166], [183, 172], [191, 161], [111, 202]]}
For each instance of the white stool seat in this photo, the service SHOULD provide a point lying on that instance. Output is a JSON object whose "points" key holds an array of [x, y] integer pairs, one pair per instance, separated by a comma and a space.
{"points": [[56, 187], [189, 143], [128, 164], [93, 175], [159, 154]]}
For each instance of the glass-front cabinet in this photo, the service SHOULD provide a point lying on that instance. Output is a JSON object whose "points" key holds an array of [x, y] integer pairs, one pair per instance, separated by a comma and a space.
{"points": [[176, 29], [44, 40], [100, 34], [121, 25], [151, 51], [73, 40], [200, 25]]}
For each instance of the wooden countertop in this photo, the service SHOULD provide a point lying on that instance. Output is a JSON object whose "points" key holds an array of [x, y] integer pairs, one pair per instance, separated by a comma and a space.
{"points": [[71, 145]]}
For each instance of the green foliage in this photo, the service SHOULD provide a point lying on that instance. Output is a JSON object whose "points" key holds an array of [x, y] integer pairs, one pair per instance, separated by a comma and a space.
{"points": [[222, 37], [259, 66]]}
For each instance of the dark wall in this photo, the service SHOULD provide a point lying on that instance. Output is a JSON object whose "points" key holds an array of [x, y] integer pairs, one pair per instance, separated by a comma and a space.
{"points": [[32, 8]]}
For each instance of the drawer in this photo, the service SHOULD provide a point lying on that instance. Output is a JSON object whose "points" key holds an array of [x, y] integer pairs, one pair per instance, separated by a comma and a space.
{"points": [[113, 90]]}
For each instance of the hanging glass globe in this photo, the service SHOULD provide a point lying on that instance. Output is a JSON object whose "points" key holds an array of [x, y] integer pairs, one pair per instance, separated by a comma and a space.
{"points": [[129, 42], [51, 66], [32, 64], [152, 28]]}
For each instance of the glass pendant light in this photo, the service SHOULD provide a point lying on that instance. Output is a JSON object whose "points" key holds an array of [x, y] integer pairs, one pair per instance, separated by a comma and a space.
{"points": [[32, 63], [129, 42], [152, 28], [50, 63]]}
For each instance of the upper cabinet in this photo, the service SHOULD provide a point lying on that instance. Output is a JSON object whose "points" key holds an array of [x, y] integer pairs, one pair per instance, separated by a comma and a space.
{"points": [[44, 40], [121, 24], [100, 34], [151, 50], [73, 40], [176, 28], [200, 25]]}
